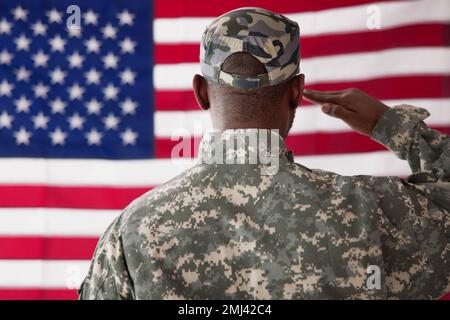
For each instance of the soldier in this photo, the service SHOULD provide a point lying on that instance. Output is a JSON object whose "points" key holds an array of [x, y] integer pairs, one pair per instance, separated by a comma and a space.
{"points": [[228, 229]]}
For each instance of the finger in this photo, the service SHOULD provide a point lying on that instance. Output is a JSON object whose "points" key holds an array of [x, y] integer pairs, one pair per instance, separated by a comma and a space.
{"points": [[324, 96], [338, 111]]}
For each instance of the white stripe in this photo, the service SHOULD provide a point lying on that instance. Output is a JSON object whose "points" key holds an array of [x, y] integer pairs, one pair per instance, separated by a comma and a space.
{"points": [[55, 221], [308, 120], [61, 274], [154, 172], [339, 20], [343, 67]]}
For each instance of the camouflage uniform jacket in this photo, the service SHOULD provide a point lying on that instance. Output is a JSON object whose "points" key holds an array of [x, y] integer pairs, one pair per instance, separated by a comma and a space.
{"points": [[228, 232]]}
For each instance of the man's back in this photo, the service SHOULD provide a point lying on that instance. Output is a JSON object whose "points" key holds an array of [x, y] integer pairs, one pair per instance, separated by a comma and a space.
{"points": [[228, 232]]}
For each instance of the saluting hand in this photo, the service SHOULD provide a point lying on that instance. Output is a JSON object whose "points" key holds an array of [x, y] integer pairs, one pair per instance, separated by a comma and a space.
{"points": [[360, 111]]}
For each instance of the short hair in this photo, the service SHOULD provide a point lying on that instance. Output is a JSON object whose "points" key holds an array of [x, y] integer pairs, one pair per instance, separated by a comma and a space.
{"points": [[246, 104]]}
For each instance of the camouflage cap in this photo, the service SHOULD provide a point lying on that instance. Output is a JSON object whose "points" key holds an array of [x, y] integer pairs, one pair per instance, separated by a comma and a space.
{"points": [[269, 37]]}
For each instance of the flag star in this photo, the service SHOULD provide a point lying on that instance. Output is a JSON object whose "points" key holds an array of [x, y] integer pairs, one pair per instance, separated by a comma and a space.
{"points": [[22, 74], [39, 29], [128, 106], [58, 137], [74, 33], [90, 17], [75, 60], [40, 91], [5, 120], [94, 106], [128, 137], [5, 27], [76, 92], [92, 45], [40, 121], [5, 57], [110, 92], [111, 121], [110, 61], [57, 43], [20, 13], [127, 46], [125, 18], [22, 43], [94, 137], [40, 59], [57, 76], [22, 136], [22, 104], [93, 76], [109, 31], [127, 76], [54, 16], [58, 106], [5, 88], [76, 122]]}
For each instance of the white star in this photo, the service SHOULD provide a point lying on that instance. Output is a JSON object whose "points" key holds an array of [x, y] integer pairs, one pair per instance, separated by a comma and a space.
{"points": [[22, 104], [39, 29], [40, 59], [22, 43], [40, 121], [93, 76], [57, 43], [57, 76], [57, 106], [128, 136], [58, 137], [110, 61], [22, 136], [5, 57], [127, 46], [75, 33], [90, 17], [128, 106], [127, 76], [92, 45], [5, 88], [93, 106], [75, 60], [76, 122], [20, 13], [54, 16], [94, 137], [22, 74], [76, 92], [5, 120], [40, 91], [110, 92], [125, 18], [109, 31], [5, 27], [111, 121]]}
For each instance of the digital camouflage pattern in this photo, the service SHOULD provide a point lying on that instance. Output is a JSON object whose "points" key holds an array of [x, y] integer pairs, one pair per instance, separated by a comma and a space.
{"points": [[269, 37], [228, 232]]}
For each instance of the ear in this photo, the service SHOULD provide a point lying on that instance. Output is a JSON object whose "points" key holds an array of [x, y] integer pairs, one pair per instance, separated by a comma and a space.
{"points": [[297, 88], [201, 91]]}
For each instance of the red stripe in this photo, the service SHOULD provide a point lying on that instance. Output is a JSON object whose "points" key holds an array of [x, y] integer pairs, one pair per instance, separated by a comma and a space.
{"points": [[302, 144], [212, 8], [37, 294], [425, 35], [68, 197], [410, 87], [51, 248]]}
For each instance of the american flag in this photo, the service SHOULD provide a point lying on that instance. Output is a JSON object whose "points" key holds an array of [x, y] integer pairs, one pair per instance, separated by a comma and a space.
{"points": [[89, 116]]}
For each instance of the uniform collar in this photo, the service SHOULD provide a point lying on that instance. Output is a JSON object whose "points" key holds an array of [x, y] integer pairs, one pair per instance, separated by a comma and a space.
{"points": [[240, 145]]}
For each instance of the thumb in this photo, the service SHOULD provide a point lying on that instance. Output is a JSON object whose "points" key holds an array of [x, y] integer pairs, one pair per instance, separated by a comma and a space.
{"points": [[337, 111]]}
